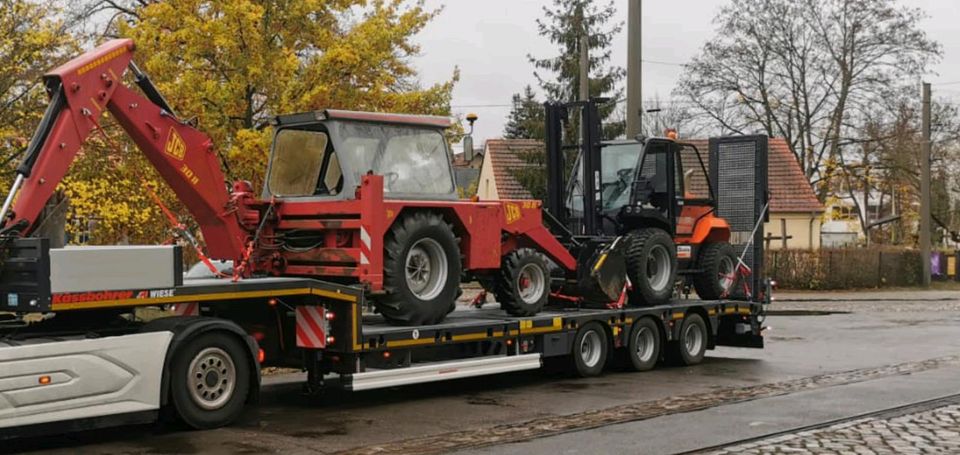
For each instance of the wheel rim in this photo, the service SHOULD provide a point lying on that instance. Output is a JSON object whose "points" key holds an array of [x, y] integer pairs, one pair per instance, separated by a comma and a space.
{"points": [[531, 283], [692, 339], [727, 273], [212, 377], [658, 268], [426, 269], [645, 344], [590, 349]]}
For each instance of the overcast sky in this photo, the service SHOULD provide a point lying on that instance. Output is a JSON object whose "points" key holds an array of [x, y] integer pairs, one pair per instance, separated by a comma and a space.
{"points": [[489, 41]]}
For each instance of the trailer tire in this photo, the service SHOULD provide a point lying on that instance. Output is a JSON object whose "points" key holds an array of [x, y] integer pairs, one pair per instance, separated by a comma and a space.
{"points": [[691, 346], [651, 266], [643, 347], [718, 271], [523, 285], [210, 380], [421, 270], [590, 349]]}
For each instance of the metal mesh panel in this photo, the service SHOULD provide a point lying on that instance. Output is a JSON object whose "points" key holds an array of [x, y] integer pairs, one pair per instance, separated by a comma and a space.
{"points": [[738, 171]]}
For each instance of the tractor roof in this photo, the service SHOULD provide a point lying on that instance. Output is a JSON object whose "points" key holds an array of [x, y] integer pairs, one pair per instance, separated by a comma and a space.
{"points": [[375, 117]]}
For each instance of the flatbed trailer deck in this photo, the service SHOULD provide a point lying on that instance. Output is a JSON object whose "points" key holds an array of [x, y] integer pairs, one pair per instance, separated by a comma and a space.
{"points": [[104, 368]]}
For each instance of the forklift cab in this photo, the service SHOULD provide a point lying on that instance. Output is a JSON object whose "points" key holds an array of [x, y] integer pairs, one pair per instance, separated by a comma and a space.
{"points": [[637, 186]]}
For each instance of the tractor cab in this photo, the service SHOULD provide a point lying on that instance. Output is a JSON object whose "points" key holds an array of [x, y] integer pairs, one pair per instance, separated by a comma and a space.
{"points": [[324, 154]]}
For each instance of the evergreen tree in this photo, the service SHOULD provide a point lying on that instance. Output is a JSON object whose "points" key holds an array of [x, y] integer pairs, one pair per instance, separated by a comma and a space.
{"points": [[559, 76], [526, 117]]}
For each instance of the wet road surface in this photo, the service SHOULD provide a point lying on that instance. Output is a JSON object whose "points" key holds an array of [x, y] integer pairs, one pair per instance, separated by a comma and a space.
{"points": [[819, 368]]}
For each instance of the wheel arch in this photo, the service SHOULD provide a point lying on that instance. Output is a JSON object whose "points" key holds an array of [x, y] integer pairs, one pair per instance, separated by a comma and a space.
{"points": [[711, 228], [185, 328]]}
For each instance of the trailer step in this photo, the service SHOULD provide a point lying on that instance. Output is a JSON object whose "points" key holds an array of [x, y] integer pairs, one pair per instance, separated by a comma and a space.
{"points": [[440, 371]]}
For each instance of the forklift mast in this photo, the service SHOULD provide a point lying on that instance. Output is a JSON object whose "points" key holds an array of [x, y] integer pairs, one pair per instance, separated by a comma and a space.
{"points": [[557, 114]]}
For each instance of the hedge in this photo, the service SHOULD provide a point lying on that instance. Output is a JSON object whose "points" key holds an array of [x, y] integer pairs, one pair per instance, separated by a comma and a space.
{"points": [[844, 268]]}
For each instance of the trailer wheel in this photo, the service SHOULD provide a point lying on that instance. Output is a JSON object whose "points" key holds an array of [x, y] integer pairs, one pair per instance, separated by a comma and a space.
{"points": [[210, 380], [590, 350], [692, 345], [643, 348], [651, 266], [421, 271], [523, 284], [718, 271]]}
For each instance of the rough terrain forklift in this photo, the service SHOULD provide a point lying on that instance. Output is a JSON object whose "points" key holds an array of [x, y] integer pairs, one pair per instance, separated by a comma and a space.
{"points": [[654, 192]]}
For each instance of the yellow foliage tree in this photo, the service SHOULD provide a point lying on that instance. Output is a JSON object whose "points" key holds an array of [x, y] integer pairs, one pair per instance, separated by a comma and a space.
{"points": [[235, 64], [31, 41]]}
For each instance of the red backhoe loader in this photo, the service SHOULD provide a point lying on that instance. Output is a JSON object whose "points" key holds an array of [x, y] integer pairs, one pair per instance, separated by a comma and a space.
{"points": [[350, 197]]}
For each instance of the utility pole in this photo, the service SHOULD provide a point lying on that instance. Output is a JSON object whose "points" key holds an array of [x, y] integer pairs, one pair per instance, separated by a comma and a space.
{"points": [[925, 188], [584, 56], [634, 73]]}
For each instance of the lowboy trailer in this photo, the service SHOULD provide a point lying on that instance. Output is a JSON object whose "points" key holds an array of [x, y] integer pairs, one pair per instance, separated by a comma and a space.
{"points": [[90, 370]]}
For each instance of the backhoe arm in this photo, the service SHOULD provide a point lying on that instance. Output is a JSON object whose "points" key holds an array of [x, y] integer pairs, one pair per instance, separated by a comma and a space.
{"points": [[81, 90]]}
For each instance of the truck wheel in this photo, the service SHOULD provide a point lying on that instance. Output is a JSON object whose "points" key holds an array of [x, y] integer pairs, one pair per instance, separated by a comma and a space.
{"points": [[651, 266], [718, 271], [692, 345], [643, 348], [523, 284], [590, 350], [421, 271], [210, 380]]}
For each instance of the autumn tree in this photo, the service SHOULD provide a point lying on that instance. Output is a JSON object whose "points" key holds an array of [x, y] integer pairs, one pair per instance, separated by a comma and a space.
{"points": [[804, 70]]}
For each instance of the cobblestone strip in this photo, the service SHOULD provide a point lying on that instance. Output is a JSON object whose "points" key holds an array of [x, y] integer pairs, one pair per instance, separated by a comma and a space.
{"points": [[548, 426], [931, 431]]}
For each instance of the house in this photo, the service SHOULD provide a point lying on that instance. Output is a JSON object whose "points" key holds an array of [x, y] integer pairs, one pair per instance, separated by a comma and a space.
{"points": [[795, 211], [501, 158]]}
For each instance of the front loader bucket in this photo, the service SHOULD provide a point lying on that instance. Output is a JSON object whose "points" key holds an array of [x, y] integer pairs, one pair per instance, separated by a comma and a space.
{"points": [[602, 272]]}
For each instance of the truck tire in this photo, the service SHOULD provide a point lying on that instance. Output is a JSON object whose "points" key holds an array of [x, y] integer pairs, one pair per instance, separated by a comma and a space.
{"points": [[421, 271], [718, 271], [690, 348], [210, 380], [590, 350], [523, 285], [643, 347], [651, 266]]}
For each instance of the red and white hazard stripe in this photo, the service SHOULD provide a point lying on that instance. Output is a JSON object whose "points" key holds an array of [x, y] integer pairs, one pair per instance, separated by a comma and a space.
{"points": [[364, 246], [186, 309], [311, 327]]}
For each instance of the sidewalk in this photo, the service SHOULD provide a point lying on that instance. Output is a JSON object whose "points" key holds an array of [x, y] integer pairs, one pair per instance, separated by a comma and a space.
{"points": [[871, 295]]}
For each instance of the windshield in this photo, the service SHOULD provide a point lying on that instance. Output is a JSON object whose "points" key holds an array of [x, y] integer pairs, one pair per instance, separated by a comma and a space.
{"points": [[411, 160], [297, 160], [617, 164]]}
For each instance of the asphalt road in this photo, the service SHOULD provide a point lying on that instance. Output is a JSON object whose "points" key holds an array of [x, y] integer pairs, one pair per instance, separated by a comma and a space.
{"points": [[820, 368]]}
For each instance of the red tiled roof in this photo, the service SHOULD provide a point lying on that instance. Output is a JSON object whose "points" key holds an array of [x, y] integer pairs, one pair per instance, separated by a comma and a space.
{"points": [[790, 191], [505, 156]]}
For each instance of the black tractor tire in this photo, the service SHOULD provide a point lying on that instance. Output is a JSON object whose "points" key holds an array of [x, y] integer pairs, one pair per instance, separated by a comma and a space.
{"points": [[210, 380], [523, 285], [644, 246], [718, 267], [691, 346], [643, 347], [590, 348], [418, 239]]}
